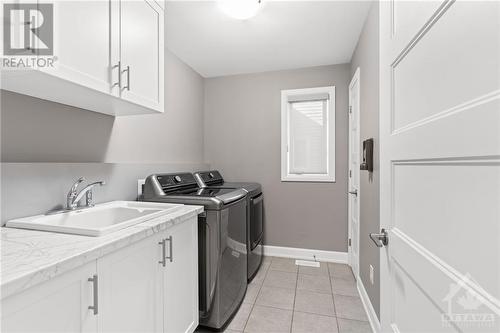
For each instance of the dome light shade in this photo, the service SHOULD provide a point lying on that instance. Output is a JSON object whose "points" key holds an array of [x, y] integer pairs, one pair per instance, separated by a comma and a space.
{"points": [[240, 9]]}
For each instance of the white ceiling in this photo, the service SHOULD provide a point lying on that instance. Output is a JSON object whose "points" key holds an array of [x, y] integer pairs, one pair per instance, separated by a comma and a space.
{"points": [[283, 35]]}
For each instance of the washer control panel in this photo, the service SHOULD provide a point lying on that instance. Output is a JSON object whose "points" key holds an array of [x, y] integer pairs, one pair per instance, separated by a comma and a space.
{"points": [[174, 180]]}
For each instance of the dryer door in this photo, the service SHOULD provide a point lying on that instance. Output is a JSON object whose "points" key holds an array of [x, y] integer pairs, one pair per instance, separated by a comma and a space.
{"points": [[256, 220]]}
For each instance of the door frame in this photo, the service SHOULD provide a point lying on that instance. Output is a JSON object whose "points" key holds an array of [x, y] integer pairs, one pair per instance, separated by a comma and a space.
{"points": [[355, 78]]}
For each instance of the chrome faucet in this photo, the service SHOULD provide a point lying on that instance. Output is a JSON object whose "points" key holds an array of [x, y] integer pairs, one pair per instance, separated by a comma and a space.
{"points": [[74, 197]]}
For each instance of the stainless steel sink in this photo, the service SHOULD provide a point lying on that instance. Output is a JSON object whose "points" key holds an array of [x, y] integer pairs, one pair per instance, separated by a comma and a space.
{"points": [[99, 220]]}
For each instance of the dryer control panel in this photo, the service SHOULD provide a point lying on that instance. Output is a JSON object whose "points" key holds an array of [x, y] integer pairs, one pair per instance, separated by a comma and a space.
{"points": [[206, 178]]}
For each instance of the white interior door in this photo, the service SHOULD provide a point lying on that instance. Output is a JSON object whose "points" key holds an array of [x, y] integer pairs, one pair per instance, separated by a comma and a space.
{"points": [[354, 161], [440, 165]]}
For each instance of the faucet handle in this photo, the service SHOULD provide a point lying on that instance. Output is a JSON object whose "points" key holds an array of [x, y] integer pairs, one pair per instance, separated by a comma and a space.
{"points": [[75, 185]]}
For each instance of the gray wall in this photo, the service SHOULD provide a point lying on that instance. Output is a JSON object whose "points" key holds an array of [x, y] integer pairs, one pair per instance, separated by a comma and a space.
{"points": [[242, 139], [35, 130], [366, 57], [34, 188], [176, 135], [75, 142]]}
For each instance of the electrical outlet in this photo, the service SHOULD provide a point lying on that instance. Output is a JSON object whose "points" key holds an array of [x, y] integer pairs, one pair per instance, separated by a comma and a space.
{"points": [[371, 274]]}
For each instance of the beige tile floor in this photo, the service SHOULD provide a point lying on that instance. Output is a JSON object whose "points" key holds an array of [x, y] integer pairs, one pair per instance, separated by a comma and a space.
{"points": [[284, 297]]}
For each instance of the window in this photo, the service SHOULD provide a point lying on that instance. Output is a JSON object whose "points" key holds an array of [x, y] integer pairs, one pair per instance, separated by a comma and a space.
{"points": [[308, 135]]}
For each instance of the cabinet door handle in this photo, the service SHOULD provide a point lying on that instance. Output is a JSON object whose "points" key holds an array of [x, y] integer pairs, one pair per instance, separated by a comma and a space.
{"points": [[171, 256], [119, 83], [95, 287], [128, 78], [163, 253]]}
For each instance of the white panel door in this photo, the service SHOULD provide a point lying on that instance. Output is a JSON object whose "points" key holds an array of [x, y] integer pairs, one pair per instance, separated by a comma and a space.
{"points": [[181, 278], [59, 305], [141, 52], [130, 288], [354, 162], [82, 43], [440, 165]]}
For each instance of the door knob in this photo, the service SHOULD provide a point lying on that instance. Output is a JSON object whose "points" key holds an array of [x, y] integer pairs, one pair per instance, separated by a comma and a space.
{"points": [[354, 192], [381, 239]]}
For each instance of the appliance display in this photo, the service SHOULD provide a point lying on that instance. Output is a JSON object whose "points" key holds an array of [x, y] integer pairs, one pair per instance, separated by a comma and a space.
{"points": [[222, 251], [255, 213]]}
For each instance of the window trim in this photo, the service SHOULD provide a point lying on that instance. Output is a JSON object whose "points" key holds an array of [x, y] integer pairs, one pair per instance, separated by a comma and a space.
{"points": [[329, 177]]}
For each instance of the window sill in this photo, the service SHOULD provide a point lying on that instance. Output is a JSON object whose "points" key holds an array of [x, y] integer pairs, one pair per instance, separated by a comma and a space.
{"points": [[308, 178]]}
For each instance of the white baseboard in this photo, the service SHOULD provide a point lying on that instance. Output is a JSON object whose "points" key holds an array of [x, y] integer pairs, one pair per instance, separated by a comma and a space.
{"points": [[305, 254], [367, 304]]}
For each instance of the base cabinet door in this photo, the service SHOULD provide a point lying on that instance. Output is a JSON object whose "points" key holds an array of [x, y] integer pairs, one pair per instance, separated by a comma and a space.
{"points": [[130, 288], [181, 278], [59, 305]]}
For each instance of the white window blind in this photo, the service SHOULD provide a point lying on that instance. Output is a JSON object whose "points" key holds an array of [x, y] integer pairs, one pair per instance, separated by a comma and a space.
{"points": [[308, 137], [308, 134]]}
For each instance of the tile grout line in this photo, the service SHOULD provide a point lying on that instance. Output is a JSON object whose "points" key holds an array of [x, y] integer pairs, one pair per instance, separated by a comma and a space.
{"points": [[307, 312], [294, 298], [330, 275], [258, 293]]}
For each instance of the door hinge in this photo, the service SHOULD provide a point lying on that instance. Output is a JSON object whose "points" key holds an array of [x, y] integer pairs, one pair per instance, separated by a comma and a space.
{"points": [[349, 242], [350, 109], [350, 173]]}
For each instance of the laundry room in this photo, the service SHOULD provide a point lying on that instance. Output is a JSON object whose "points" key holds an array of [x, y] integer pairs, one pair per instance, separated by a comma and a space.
{"points": [[249, 166]]}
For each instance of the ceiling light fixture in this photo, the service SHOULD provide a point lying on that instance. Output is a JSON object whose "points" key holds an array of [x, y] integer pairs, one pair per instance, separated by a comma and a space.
{"points": [[240, 9]]}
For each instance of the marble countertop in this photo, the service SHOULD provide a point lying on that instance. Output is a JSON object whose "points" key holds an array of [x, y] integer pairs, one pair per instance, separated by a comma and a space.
{"points": [[31, 257]]}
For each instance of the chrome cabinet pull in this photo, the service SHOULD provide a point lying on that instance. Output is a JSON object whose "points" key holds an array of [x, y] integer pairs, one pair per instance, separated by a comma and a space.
{"points": [[381, 239], [128, 78], [95, 286], [171, 256], [119, 83], [163, 261], [355, 192]]}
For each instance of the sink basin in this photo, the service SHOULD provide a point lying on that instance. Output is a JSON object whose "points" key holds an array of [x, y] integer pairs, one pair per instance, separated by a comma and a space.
{"points": [[99, 220]]}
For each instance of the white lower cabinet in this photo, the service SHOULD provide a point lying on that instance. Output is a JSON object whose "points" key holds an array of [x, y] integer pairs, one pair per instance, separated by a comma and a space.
{"points": [[59, 305], [149, 286], [181, 279], [130, 288]]}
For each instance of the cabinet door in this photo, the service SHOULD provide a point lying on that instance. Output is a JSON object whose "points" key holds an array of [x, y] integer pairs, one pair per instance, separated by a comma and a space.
{"points": [[59, 305], [130, 288], [82, 43], [181, 278], [141, 53]]}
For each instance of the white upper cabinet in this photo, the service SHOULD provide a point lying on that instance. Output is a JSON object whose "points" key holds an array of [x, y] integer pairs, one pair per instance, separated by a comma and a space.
{"points": [[83, 59], [141, 53], [109, 58]]}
